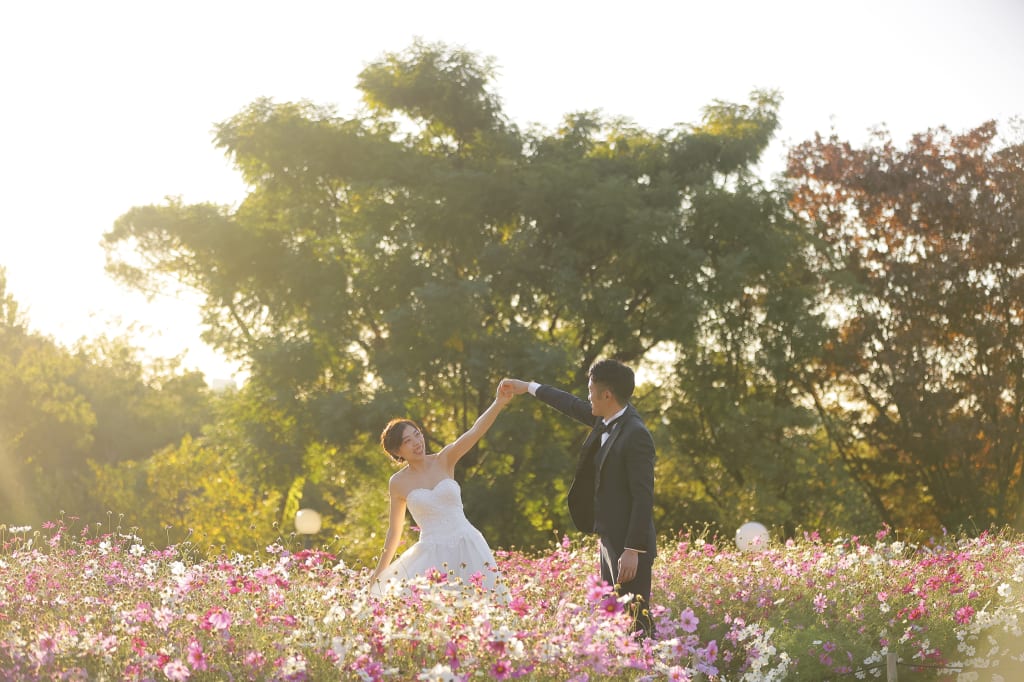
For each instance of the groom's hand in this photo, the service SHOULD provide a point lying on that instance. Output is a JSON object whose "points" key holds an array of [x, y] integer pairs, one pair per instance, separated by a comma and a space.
{"points": [[627, 566], [517, 386]]}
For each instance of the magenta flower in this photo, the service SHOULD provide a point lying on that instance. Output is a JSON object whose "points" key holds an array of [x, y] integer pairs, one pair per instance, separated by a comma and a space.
{"points": [[964, 615], [610, 605], [519, 606], [501, 670]]}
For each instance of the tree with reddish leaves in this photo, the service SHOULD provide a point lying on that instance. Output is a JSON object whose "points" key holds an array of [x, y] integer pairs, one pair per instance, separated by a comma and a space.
{"points": [[922, 249]]}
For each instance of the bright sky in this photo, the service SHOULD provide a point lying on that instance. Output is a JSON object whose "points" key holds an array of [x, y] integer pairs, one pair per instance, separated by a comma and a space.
{"points": [[109, 105]]}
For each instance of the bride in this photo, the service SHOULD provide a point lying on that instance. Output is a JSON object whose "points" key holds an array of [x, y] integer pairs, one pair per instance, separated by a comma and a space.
{"points": [[427, 486]]}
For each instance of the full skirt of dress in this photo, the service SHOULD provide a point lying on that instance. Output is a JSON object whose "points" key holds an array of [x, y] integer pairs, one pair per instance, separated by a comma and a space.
{"points": [[450, 549]]}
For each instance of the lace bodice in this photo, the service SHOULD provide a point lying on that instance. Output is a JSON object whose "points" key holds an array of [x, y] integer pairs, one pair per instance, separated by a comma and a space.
{"points": [[438, 512]]}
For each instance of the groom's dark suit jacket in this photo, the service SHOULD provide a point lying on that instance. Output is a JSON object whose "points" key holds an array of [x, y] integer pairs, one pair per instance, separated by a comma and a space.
{"points": [[612, 493]]}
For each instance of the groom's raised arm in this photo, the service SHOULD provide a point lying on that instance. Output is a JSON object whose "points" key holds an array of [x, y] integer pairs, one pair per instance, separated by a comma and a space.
{"points": [[566, 403]]}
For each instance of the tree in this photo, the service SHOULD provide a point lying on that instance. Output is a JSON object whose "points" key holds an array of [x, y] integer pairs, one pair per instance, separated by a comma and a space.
{"points": [[924, 267], [403, 260], [45, 422], [139, 408], [187, 492], [59, 409]]}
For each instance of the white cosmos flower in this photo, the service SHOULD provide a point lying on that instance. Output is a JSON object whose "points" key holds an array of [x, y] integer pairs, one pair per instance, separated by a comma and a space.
{"points": [[439, 673]]}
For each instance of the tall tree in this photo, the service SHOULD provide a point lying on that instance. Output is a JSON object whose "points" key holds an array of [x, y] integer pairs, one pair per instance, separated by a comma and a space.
{"points": [[403, 260], [926, 274]]}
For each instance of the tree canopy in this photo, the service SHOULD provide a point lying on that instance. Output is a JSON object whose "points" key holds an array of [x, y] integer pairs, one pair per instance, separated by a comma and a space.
{"points": [[403, 260], [925, 264]]}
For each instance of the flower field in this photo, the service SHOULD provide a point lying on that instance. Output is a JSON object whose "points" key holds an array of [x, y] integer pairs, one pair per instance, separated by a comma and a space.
{"points": [[90, 605]]}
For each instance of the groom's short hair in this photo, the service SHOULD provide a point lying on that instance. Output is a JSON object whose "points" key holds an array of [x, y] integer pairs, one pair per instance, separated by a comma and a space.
{"points": [[616, 377]]}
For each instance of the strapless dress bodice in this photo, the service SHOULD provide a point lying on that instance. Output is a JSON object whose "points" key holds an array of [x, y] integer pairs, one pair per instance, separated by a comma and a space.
{"points": [[438, 512]]}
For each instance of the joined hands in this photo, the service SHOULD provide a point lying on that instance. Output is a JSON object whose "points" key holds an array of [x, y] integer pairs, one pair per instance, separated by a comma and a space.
{"points": [[503, 396], [517, 386]]}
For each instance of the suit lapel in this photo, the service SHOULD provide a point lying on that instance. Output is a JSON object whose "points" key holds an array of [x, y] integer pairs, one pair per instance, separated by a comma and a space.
{"points": [[602, 453], [613, 435]]}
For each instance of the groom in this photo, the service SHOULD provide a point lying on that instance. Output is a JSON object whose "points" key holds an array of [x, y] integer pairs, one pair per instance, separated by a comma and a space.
{"points": [[612, 493]]}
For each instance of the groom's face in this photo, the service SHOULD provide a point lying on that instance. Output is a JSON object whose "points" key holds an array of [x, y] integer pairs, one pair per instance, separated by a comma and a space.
{"points": [[601, 401]]}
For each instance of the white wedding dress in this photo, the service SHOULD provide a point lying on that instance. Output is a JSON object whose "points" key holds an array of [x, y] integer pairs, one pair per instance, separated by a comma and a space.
{"points": [[448, 543]]}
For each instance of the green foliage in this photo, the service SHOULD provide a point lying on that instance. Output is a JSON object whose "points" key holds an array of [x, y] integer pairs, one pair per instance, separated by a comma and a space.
{"points": [[189, 492], [59, 409], [445, 89], [46, 427], [403, 261]]}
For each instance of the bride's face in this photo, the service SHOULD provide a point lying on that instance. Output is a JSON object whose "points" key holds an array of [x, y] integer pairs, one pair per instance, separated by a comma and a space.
{"points": [[413, 446]]}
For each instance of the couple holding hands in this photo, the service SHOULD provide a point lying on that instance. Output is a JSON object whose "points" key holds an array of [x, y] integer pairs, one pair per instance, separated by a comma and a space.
{"points": [[612, 493]]}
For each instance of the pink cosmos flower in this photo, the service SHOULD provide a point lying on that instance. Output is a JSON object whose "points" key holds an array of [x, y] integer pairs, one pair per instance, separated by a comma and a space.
{"points": [[216, 619], [46, 643], [141, 614], [610, 605], [196, 658], [451, 652], [688, 622], [820, 602], [254, 659], [519, 606], [176, 670], [964, 615], [706, 659], [678, 674], [597, 588], [45, 648], [163, 617], [501, 670]]}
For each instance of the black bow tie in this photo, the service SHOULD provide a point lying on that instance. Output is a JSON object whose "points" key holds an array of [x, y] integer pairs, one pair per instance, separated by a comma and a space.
{"points": [[605, 428]]}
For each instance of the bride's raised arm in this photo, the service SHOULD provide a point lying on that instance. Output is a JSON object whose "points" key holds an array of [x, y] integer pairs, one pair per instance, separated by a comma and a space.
{"points": [[452, 453]]}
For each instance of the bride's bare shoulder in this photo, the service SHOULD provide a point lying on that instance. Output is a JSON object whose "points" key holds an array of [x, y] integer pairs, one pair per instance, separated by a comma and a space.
{"points": [[399, 481]]}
